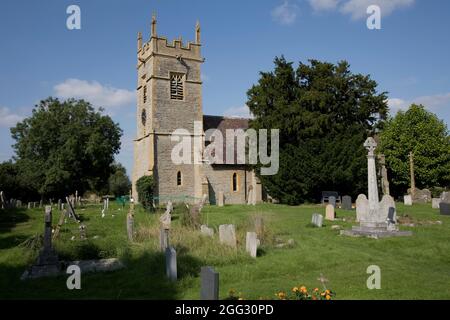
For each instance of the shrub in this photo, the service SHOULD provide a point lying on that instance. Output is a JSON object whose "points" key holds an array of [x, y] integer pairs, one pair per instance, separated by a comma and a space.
{"points": [[145, 187]]}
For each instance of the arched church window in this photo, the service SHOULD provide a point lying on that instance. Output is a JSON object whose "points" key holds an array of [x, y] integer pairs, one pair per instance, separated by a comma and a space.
{"points": [[235, 182], [179, 178]]}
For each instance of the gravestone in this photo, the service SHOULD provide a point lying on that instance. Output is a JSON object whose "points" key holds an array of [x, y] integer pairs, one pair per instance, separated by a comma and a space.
{"points": [[171, 264], [435, 203], [83, 235], [445, 196], [227, 235], [71, 210], [40, 204], [444, 208], [163, 239], [59, 205], [29, 205], [332, 201], [206, 231], [251, 244], [130, 225], [259, 227], [220, 200], [209, 286], [317, 220], [47, 262], [347, 203], [407, 200], [329, 212]]}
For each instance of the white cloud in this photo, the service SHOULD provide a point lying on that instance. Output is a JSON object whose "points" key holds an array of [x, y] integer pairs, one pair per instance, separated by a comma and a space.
{"points": [[285, 13], [323, 5], [357, 9], [238, 112], [8, 119], [432, 102], [99, 95]]}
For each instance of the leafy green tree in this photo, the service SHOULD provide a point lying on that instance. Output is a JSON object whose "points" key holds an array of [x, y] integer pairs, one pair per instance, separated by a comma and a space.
{"points": [[119, 183], [324, 113], [65, 146], [421, 132], [145, 186]]}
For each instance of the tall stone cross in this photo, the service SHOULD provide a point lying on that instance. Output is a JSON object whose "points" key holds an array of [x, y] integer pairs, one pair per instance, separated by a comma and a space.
{"points": [[370, 145]]}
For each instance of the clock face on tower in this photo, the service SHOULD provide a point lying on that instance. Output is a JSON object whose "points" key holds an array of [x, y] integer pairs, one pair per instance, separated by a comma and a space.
{"points": [[143, 117]]}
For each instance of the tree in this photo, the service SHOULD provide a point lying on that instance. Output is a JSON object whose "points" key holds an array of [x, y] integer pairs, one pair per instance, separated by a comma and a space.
{"points": [[65, 146], [324, 113], [145, 186], [422, 133], [119, 183]]}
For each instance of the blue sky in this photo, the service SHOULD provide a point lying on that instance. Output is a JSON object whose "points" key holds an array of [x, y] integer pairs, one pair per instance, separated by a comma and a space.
{"points": [[39, 57]]}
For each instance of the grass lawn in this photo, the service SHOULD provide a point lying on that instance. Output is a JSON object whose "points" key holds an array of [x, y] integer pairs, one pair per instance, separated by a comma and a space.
{"points": [[416, 267]]}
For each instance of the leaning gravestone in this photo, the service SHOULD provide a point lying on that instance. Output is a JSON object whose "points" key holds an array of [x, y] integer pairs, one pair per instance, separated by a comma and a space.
{"points": [[435, 203], [444, 208], [407, 200], [220, 200], [347, 203], [251, 244], [332, 201], [171, 264], [205, 230], [329, 212], [209, 287], [227, 235], [317, 220]]}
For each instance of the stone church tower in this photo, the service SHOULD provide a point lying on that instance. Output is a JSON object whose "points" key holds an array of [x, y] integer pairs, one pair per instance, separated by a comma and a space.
{"points": [[169, 91], [169, 97]]}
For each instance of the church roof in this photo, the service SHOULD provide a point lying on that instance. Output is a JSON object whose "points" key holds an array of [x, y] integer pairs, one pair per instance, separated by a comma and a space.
{"points": [[222, 124]]}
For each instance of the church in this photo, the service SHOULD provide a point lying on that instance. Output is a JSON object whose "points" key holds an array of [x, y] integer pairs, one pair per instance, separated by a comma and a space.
{"points": [[169, 97]]}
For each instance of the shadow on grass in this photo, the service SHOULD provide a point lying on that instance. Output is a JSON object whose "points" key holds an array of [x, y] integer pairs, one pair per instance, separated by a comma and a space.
{"points": [[9, 218], [12, 241]]}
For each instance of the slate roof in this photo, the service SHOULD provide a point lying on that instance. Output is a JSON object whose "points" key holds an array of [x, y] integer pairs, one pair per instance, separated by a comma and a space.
{"points": [[222, 124]]}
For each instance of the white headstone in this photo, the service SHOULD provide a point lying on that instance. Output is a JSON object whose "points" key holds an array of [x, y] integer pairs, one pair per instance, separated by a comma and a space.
{"points": [[329, 212], [435, 203], [362, 207], [227, 235], [317, 220], [407, 200], [251, 244], [205, 230]]}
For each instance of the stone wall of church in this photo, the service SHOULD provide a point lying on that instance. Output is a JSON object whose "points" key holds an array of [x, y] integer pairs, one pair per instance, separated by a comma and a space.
{"points": [[220, 178]]}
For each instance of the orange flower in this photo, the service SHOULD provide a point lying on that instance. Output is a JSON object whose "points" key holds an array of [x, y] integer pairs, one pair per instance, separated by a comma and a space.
{"points": [[328, 297], [303, 289], [294, 289], [316, 289]]}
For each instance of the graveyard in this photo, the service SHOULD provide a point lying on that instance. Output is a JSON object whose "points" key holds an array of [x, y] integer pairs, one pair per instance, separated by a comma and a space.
{"points": [[292, 253]]}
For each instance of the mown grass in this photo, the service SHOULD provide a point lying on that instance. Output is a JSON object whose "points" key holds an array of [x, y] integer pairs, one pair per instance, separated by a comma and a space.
{"points": [[416, 267]]}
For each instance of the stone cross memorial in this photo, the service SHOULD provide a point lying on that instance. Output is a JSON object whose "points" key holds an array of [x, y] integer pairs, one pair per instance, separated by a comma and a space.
{"points": [[209, 287], [376, 219]]}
